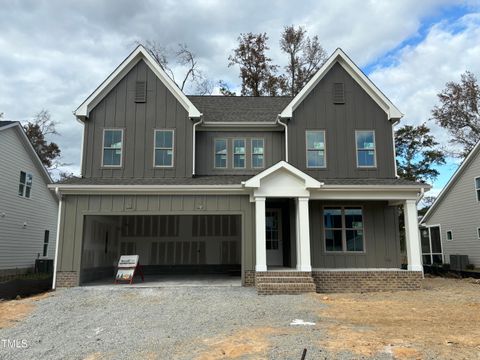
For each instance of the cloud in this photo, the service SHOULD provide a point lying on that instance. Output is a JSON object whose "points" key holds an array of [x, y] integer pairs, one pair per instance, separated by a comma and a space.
{"points": [[54, 53]]}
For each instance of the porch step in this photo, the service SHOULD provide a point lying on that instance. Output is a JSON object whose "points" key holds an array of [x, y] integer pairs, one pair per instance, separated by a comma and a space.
{"points": [[284, 282]]}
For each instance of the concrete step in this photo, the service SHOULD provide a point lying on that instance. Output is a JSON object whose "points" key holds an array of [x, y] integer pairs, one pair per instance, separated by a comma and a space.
{"points": [[285, 288]]}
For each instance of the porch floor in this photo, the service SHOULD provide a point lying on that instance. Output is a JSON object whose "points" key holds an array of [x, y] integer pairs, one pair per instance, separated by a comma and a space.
{"points": [[171, 280]]}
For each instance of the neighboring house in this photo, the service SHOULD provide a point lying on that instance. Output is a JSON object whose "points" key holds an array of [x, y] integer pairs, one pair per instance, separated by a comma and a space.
{"points": [[452, 224], [296, 194], [28, 210]]}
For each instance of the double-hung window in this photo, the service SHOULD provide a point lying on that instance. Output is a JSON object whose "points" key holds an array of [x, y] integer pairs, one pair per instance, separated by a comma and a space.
{"points": [[239, 153], [112, 147], [164, 148], [477, 187], [343, 229], [25, 185], [221, 154], [366, 148], [315, 148], [258, 153]]}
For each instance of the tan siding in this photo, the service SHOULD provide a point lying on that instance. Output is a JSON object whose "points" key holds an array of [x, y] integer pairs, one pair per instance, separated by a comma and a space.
{"points": [[19, 246], [459, 212]]}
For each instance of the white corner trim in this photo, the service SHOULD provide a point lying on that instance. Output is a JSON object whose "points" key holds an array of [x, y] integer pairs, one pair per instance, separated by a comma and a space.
{"points": [[57, 240], [470, 157], [310, 182], [354, 71], [135, 56]]}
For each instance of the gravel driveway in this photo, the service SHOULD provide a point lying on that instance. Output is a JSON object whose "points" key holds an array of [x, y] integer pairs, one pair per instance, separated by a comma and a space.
{"points": [[167, 323]]}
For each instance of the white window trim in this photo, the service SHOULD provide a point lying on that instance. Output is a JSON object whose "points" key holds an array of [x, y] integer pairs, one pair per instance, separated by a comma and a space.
{"points": [[430, 243], [215, 154], [344, 236], [233, 153], [155, 148], [324, 149], [477, 189], [374, 166], [446, 235], [103, 147], [24, 196], [478, 233], [252, 153]]}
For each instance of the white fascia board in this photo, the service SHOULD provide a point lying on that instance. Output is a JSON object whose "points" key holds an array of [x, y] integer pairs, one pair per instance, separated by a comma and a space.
{"points": [[148, 189], [82, 112], [247, 124], [470, 157], [339, 56], [310, 182], [370, 194]]}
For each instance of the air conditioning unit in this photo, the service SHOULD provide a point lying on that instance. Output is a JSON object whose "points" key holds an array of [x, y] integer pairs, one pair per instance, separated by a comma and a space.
{"points": [[458, 262]]}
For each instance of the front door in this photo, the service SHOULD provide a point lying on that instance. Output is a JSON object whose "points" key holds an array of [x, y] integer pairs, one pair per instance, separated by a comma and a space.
{"points": [[273, 224]]}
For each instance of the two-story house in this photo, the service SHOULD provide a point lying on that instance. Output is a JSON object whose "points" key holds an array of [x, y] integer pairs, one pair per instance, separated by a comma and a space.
{"points": [[298, 194]]}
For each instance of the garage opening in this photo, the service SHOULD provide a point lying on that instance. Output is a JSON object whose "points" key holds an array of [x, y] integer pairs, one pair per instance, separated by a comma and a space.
{"points": [[168, 246]]}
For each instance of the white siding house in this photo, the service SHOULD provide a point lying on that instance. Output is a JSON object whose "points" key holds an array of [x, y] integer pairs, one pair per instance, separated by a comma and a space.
{"points": [[28, 209], [456, 211]]}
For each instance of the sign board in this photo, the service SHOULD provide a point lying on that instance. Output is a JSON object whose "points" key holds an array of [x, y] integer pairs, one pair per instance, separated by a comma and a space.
{"points": [[128, 261], [128, 267]]}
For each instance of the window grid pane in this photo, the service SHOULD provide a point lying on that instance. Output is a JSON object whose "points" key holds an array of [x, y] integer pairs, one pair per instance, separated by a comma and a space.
{"points": [[238, 153], [257, 153], [112, 148], [315, 142], [221, 153], [344, 229], [366, 148], [164, 148]]}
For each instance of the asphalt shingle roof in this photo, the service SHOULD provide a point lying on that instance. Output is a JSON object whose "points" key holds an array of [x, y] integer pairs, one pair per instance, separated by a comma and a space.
{"points": [[240, 108]]}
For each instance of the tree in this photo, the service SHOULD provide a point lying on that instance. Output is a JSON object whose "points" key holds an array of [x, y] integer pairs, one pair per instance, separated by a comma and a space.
{"points": [[256, 69], [305, 57], [417, 153], [458, 112], [187, 59], [225, 89], [41, 126]]}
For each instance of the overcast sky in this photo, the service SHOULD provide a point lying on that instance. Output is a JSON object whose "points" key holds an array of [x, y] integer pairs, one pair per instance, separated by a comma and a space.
{"points": [[54, 53]]}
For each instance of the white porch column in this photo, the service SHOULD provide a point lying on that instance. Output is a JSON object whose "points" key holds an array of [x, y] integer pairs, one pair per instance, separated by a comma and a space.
{"points": [[414, 252], [260, 237], [303, 235]]}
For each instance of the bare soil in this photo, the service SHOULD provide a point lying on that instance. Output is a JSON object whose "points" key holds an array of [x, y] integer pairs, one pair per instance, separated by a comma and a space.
{"points": [[14, 311], [440, 321]]}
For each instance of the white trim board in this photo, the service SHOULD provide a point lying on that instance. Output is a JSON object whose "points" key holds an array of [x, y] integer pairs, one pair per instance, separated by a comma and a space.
{"points": [[140, 53], [353, 70]]}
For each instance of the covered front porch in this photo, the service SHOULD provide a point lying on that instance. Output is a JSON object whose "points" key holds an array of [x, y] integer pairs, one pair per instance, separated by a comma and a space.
{"points": [[307, 231]]}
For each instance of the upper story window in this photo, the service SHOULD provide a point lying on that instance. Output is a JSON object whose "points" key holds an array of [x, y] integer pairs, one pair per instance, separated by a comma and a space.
{"points": [[449, 235], [258, 146], [221, 153], [343, 229], [164, 142], [366, 148], [25, 185], [112, 147], [239, 153], [315, 148], [477, 187]]}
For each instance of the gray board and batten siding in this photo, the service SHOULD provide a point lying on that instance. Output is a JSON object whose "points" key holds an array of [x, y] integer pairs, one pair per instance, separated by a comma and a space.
{"points": [[359, 112], [139, 120]]}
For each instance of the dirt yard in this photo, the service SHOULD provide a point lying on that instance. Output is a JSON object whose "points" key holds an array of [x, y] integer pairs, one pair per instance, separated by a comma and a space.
{"points": [[441, 321]]}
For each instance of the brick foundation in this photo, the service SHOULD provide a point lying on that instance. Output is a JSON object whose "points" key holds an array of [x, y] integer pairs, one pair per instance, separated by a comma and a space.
{"points": [[366, 280], [67, 279], [284, 282], [249, 278]]}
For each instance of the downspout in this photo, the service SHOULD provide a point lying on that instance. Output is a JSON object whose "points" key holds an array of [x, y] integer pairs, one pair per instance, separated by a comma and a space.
{"points": [[57, 238], [193, 144], [286, 136]]}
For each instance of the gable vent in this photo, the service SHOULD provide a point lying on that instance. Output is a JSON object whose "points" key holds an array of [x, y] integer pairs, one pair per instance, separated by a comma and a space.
{"points": [[338, 93], [140, 91]]}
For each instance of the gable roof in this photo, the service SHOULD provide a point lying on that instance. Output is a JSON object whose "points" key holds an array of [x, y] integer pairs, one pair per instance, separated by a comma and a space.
{"points": [[310, 182], [140, 53], [245, 109], [455, 177], [353, 70], [4, 125]]}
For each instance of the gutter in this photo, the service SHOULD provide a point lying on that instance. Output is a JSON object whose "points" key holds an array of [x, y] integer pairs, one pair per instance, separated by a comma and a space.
{"points": [[194, 143], [286, 136]]}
